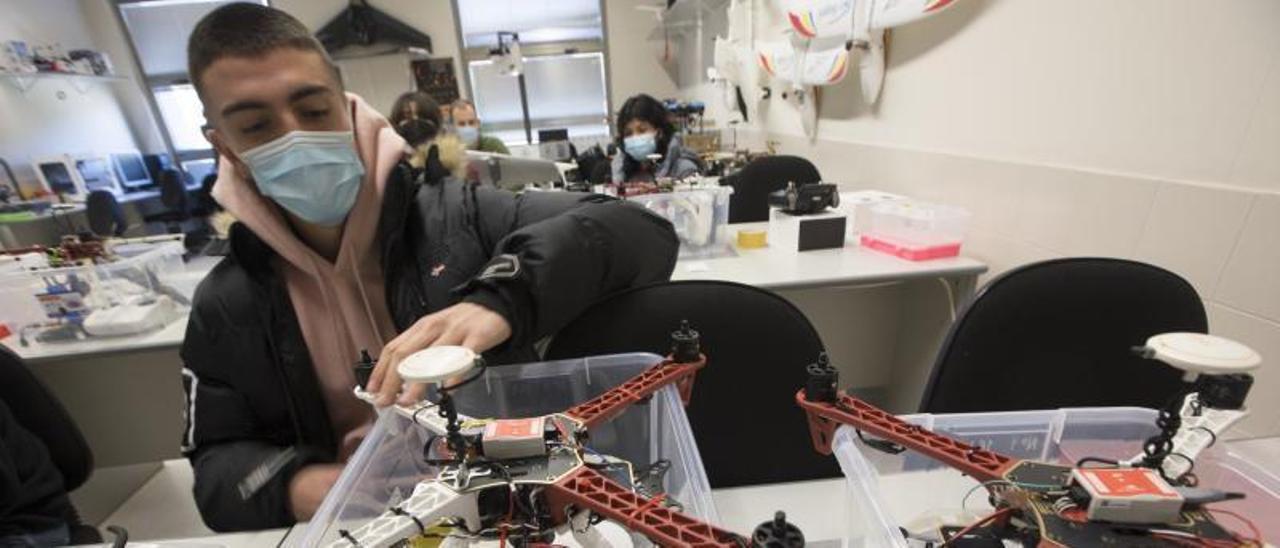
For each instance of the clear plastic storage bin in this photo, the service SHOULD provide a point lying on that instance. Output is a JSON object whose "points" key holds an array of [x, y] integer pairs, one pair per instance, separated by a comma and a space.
{"points": [[31, 291], [390, 462], [915, 230], [1061, 436], [699, 213]]}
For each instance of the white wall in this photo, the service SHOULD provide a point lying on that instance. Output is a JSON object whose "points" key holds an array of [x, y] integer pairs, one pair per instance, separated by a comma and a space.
{"points": [[634, 65], [1145, 129], [382, 79], [54, 117], [109, 36]]}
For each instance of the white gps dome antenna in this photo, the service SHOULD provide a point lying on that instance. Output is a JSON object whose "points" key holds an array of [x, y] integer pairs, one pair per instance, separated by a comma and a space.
{"points": [[437, 364], [1198, 353]]}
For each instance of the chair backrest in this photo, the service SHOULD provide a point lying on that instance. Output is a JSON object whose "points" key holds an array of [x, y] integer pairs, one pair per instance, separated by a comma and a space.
{"points": [[37, 410], [173, 191], [752, 185], [743, 412], [1059, 333], [106, 218]]}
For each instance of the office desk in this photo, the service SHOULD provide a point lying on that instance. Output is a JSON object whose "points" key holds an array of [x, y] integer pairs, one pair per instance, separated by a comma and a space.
{"points": [[881, 318], [776, 268], [168, 337], [48, 227]]}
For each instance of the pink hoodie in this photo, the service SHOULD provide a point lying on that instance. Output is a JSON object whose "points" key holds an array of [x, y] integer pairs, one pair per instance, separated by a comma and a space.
{"points": [[341, 306]]}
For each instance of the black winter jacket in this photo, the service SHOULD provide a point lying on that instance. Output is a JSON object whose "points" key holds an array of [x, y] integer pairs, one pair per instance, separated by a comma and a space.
{"points": [[255, 413]]}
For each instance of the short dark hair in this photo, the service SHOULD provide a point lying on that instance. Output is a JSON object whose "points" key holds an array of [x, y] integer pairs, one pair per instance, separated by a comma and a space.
{"points": [[247, 30]]}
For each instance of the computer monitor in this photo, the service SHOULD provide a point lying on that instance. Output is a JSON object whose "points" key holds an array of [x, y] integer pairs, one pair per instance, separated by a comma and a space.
{"points": [[131, 170], [58, 174], [97, 174]]}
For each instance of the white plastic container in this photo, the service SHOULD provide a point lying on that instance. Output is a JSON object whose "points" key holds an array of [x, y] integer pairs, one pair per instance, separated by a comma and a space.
{"points": [[1062, 436], [915, 231], [73, 292], [699, 213], [389, 462]]}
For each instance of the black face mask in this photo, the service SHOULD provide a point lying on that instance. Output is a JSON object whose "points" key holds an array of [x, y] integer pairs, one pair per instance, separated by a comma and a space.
{"points": [[417, 131]]}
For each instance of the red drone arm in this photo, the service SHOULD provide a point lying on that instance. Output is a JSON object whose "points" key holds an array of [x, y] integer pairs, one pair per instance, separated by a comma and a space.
{"points": [[825, 417], [586, 489], [610, 404]]}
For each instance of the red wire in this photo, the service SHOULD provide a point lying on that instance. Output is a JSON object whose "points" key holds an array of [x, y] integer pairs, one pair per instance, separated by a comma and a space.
{"points": [[977, 524], [511, 510], [1257, 535]]}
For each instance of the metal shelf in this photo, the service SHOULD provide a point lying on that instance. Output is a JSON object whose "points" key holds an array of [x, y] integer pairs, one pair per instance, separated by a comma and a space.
{"points": [[24, 81]]}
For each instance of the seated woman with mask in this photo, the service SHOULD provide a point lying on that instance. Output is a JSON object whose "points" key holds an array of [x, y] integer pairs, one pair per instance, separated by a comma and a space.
{"points": [[416, 117], [643, 131]]}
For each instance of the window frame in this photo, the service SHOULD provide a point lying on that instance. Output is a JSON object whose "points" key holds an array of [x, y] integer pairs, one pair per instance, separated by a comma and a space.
{"points": [[541, 49], [151, 82]]}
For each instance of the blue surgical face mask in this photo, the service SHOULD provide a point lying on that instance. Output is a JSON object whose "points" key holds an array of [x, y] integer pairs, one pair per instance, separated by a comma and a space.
{"points": [[313, 174], [639, 147], [470, 135]]}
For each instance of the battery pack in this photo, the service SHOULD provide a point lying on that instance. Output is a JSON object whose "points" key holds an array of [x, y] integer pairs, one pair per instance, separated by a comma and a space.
{"points": [[1128, 495], [514, 438]]}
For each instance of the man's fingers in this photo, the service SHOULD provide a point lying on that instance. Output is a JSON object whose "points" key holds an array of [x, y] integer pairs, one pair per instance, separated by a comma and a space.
{"points": [[385, 380], [477, 342], [452, 337], [387, 394], [380, 369], [413, 393]]}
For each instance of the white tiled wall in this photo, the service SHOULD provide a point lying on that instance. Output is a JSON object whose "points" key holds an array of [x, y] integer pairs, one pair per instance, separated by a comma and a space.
{"points": [[1222, 239], [1144, 129]]}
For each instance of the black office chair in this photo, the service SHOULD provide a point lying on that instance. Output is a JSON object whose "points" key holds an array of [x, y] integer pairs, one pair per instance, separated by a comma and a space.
{"points": [[173, 195], [40, 412], [753, 183], [106, 218], [1059, 333], [743, 411]]}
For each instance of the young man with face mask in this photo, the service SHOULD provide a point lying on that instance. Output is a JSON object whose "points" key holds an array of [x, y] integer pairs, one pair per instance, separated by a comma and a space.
{"points": [[340, 247], [467, 125]]}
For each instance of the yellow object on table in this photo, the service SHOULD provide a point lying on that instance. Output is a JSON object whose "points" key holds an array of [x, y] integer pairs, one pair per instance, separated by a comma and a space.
{"points": [[752, 239]]}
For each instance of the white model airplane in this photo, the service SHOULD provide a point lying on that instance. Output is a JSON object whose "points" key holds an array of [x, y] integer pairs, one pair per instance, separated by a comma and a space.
{"points": [[845, 24], [825, 33]]}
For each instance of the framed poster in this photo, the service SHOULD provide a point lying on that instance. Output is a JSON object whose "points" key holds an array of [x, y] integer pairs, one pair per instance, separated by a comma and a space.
{"points": [[437, 78]]}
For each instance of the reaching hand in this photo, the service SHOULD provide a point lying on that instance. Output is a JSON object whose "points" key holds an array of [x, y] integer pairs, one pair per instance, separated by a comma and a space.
{"points": [[309, 486], [463, 324]]}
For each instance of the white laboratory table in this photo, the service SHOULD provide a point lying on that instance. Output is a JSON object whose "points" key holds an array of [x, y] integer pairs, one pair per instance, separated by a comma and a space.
{"points": [[780, 269], [163, 508], [768, 268], [169, 336]]}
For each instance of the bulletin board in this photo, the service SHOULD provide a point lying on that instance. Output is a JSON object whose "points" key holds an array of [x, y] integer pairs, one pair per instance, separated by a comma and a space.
{"points": [[437, 78]]}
